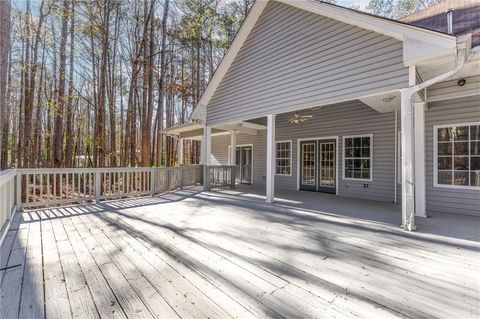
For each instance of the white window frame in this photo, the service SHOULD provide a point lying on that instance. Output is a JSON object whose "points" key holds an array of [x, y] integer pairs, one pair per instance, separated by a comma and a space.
{"points": [[435, 157], [371, 158], [291, 157]]}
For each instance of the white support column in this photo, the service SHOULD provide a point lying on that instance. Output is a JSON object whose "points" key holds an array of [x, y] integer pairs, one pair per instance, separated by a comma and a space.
{"points": [[233, 148], [207, 154], [420, 197], [270, 191], [408, 192], [180, 152]]}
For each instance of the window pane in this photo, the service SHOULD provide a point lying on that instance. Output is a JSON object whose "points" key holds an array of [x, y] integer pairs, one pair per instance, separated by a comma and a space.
{"points": [[444, 134], [357, 174], [348, 142], [461, 163], [357, 163], [357, 142], [365, 152], [366, 164], [461, 148], [445, 178], [349, 163], [444, 163], [461, 133], [475, 132], [444, 148], [475, 178], [349, 152], [475, 148], [365, 141], [357, 152], [461, 178], [475, 163]]}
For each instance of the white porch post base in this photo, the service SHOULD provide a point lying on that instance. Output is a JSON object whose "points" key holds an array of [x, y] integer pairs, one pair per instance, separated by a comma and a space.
{"points": [[408, 191], [270, 183], [420, 197]]}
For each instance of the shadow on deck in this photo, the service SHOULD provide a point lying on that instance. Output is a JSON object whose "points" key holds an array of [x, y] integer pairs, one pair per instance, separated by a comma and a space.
{"points": [[227, 253]]}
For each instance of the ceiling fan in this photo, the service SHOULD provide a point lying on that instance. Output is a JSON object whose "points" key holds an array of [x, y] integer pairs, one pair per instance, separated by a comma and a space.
{"points": [[296, 118]]}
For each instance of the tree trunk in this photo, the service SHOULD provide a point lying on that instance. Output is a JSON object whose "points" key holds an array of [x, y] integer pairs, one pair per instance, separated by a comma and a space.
{"points": [[69, 125], [58, 135], [5, 9]]}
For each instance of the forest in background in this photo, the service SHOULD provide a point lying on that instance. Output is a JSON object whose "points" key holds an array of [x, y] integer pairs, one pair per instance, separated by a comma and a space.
{"points": [[93, 83]]}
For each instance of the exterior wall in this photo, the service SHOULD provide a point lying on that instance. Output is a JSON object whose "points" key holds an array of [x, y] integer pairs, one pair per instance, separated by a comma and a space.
{"points": [[453, 200], [295, 59], [357, 118]]}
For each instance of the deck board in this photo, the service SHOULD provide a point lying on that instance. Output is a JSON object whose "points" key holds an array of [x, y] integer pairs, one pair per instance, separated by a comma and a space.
{"points": [[227, 254]]}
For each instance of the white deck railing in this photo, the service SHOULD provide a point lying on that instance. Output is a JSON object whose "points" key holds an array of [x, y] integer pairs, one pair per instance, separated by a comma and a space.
{"points": [[220, 176], [7, 199], [41, 187], [58, 186]]}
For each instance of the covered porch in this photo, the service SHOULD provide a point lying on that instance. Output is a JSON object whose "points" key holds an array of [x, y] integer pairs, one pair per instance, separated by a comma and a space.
{"points": [[221, 254]]}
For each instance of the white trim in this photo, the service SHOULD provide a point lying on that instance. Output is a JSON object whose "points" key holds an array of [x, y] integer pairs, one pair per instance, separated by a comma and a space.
{"points": [[371, 158], [435, 157], [336, 157], [271, 148], [291, 157], [244, 145]]}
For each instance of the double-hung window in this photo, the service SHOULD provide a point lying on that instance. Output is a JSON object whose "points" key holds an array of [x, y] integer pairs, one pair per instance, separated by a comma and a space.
{"points": [[283, 158], [457, 155], [358, 157]]}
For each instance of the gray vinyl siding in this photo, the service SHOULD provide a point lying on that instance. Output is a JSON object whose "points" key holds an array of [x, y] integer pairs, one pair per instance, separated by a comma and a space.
{"points": [[356, 118], [452, 200], [352, 118], [295, 59]]}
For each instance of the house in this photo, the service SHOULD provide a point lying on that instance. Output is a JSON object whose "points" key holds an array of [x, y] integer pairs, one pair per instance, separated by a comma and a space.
{"points": [[312, 96]]}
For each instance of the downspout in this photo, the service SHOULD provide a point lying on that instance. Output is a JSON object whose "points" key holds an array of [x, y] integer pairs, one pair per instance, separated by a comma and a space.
{"points": [[396, 158], [408, 197]]}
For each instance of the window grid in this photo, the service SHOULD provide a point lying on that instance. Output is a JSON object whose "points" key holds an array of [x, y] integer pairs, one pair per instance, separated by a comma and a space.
{"points": [[283, 158], [357, 157], [458, 155]]}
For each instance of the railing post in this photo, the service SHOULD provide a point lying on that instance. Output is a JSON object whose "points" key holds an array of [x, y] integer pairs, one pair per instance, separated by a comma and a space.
{"points": [[232, 177], [152, 181], [98, 188], [18, 191], [180, 168]]}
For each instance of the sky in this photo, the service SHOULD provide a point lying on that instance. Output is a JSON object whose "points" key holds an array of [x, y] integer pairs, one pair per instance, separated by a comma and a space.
{"points": [[348, 3]]}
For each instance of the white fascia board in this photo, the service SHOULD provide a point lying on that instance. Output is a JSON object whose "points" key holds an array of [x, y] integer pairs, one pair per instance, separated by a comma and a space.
{"points": [[417, 52], [394, 29]]}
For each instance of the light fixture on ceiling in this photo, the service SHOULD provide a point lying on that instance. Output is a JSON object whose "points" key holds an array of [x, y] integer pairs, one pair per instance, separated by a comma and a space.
{"points": [[388, 99], [461, 82], [296, 118]]}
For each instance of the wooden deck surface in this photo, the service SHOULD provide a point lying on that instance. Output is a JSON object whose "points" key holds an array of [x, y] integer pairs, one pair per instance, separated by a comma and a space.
{"points": [[225, 254]]}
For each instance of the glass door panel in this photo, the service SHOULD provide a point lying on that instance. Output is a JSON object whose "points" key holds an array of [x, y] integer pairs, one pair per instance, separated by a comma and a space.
{"points": [[327, 166], [244, 164], [308, 170]]}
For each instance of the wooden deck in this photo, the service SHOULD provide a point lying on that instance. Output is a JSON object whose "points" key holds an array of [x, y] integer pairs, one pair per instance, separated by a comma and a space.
{"points": [[191, 254]]}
